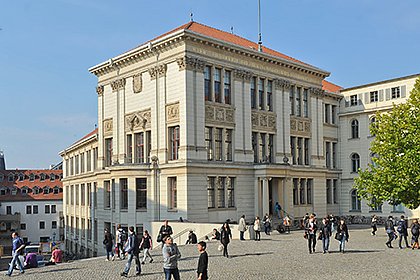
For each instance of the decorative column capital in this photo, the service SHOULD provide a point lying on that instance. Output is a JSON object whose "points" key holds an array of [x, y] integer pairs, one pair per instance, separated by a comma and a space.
{"points": [[282, 83], [190, 63], [240, 74], [118, 84], [157, 71], [100, 90], [316, 91]]}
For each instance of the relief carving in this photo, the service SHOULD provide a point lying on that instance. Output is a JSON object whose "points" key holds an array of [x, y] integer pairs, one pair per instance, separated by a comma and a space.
{"points": [[100, 90], [161, 69], [300, 126], [254, 119], [263, 120], [220, 114], [293, 125], [316, 91], [138, 120], [242, 75], [137, 83], [108, 127], [209, 112], [118, 84], [281, 83], [272, 122], [172, 112], [152, 73], [230, 115], [307, 127]]}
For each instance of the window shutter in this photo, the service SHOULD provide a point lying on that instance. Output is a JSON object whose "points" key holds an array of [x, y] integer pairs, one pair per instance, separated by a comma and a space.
{"points": [[388, 93], [381, 95], [403, 89], [360, 99], [367, 98]]}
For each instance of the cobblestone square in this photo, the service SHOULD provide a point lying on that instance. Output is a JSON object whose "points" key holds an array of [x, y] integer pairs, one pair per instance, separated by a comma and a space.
{"points": [[277, 256]]}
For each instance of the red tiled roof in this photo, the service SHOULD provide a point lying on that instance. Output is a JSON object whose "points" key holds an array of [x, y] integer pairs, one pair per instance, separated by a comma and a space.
{"points": [[330, 87], [31, 184], [226, 37]]}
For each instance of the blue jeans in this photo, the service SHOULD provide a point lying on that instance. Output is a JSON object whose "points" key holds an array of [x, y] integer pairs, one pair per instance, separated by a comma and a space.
{"points": [[109, 251], [15, 260], [343, 242], [171, 271], [325, 243], [130, 259]]}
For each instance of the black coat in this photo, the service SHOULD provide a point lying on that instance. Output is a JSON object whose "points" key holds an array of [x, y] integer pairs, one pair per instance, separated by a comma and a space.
{"points": [[342, 229], [325, 230], [225, 235]]}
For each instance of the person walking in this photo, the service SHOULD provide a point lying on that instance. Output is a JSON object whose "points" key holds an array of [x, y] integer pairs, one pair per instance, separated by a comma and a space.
{"points": [[390, 230], [225, 236], [333, 223], [402, 229], [109, 242], [121, 238], [146, 244], [277, 209], [203, 261], [171, 255], [287, 222], [415, 232], [132, 250], [343, 235], [325, 234], [257, 229], [373, 224], [242, 227], [267, 224], [17, 248], [310, 231], [164, 231]]}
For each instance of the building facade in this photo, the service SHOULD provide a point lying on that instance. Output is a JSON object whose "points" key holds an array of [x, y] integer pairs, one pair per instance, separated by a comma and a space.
{"points": [[31, 204]]}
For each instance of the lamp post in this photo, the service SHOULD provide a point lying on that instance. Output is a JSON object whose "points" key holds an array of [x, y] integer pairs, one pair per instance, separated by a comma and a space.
{"points": [[155, 163]]}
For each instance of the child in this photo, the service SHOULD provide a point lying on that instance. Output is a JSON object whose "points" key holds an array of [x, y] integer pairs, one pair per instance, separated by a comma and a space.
{"points": [[202, 261]]}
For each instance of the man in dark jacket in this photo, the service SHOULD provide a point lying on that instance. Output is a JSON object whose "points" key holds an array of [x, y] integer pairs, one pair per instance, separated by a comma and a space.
{"points": [[390, 230], [165, 230], [132, 250], [402, 231]]}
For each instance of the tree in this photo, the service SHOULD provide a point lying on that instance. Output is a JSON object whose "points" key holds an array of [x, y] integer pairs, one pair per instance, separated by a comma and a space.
{"points": [[394, 175]]}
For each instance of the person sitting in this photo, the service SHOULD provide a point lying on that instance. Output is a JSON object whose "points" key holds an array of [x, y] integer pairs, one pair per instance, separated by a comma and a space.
{"points": [[215, 235], [31, 261], [192, 238], [56, 257]]}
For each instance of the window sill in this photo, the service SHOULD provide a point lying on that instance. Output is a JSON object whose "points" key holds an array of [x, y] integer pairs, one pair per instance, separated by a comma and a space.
{"points": [[355, 211], [222, 209], [375, 211], [353, 139], [402, 212], [173, 210], [141, 210]]}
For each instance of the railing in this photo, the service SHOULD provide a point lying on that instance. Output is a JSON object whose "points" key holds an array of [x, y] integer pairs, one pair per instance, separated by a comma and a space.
{"points": [[180, 234]]}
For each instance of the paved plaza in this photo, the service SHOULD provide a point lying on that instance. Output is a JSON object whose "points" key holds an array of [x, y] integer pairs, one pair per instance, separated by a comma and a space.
{"points": [[277, 256]]}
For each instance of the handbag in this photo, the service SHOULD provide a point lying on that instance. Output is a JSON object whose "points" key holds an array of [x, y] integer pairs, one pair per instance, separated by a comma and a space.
{"points": [[220, 248], [337, 236], [159, 238], [305, 235]]}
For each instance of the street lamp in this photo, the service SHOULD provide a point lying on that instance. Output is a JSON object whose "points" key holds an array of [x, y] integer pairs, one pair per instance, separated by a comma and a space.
{"points": [[155, 161]]}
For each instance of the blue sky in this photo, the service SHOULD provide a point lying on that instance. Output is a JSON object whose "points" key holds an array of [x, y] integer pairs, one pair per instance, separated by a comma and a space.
{"points": [[48, 97]]}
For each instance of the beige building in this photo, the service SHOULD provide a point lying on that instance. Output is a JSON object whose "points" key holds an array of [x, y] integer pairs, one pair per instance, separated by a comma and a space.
{"points": [[357, 111]]}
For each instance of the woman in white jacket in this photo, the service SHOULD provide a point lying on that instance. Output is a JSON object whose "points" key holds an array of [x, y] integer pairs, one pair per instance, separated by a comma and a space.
{"points": [[257, 228]]}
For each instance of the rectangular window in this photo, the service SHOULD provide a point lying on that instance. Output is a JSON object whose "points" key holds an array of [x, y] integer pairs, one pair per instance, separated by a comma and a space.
{"points": [[270, 156], [211, 192], [95, 231], [172, 190], [255, 145], [47, 209], [23, 226], [82, 195], [335, 191], [305, 103], [41, 225], [298, 99], [327, 154], [95, 158], [53, 209], [327, 113], [334, 155], [53, 224], [230, 186], [129, 148], [124, 193], [227, 88], [300, 151], [95, 195], [218, 144], [148, 145], [221, 192], [35, 209], [207, 83], [263, 147], [76, 187], [261, 102], [72, 195], [228, 144], [141, 193], [293, 149], [139, 146], [253, 93], [329, 200], [395, 92], [374, 97], [113, 194], [89, 161], [8, 210], [89, 192], [209, 142], [76, 164], [295, 191], [270, 96], [302, 191], [309, 183], [333, 114], [174, 142], [107, 194], [28, 209], [353, 100], [108, 151], [82, 163], [292, 100], [217, 85]]}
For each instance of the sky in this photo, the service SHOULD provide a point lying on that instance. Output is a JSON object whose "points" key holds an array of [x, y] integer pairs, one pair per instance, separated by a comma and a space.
{"points": [[47, 96]]}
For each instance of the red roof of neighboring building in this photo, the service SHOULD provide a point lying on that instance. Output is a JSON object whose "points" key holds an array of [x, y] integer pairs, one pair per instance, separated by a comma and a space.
{"points": [[330, 87], [7, 185]]}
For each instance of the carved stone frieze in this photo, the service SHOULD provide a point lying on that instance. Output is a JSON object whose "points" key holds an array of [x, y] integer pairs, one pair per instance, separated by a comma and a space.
{"points": [[281, 83], [139, 120], [217, 114], [240, 74], [118, 84], [190, 63], [300, 126], [137, 83], [100, 90], [316, 91], [172, 112], [108, 127], [265, 121]]}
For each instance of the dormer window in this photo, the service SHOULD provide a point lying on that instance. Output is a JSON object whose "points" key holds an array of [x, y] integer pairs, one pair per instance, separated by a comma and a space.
{"points": [[52, 177], [24, 190], [13, 190], [46, 190], [42, 177], [21, 177], [11, 177], [3, 191], [35, 190], [1, 177], [31, 177], [56, 190]]}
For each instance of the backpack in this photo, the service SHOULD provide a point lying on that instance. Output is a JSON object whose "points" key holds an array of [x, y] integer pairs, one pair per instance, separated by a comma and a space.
{"points": [[415, 230], [124, 236], [400, 227], [136, 242]]}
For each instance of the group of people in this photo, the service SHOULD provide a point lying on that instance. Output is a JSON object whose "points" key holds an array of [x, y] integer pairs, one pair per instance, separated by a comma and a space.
{"points": [[401, 232]]}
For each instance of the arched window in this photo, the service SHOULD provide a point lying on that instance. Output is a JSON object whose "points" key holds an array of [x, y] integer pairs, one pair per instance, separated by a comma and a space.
{"points": [[376, 207], [355, 201], [372, 122], [354, 129], [355, 163]]}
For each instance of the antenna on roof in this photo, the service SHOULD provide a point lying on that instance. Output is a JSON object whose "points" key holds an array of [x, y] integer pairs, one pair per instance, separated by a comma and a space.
{"points": [[259, 27], [231, 29], [191, 17]]}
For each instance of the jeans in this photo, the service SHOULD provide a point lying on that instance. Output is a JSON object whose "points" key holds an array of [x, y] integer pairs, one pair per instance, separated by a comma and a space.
{"points": [[120, 247], [130, 259], [15, 260], [241, 235], [171, 271], [267, 229], [146, 253], [374, 229], [325, 243], [109, 252], [257, 235], [311, 242], [390, 238], [342, 243], [405, 238]]}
